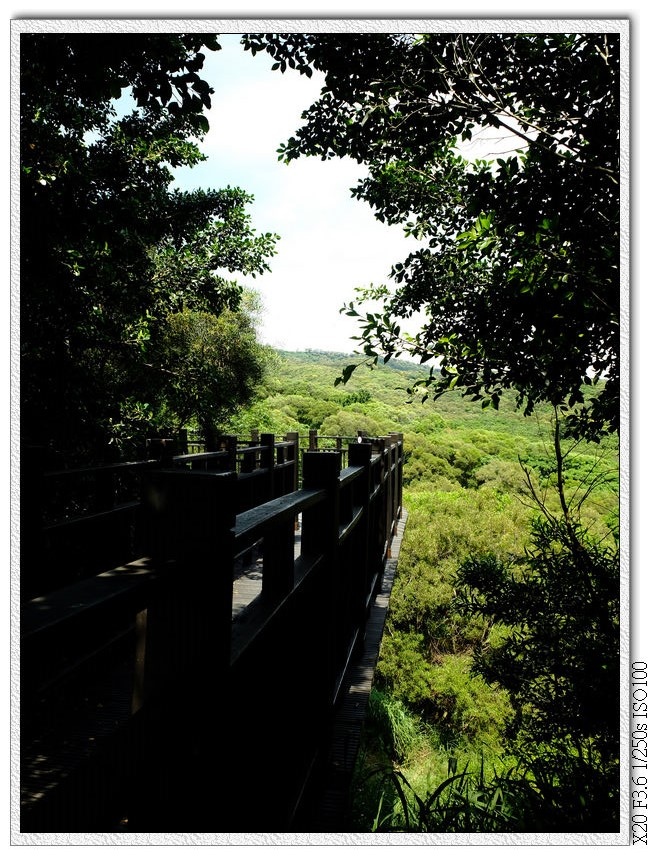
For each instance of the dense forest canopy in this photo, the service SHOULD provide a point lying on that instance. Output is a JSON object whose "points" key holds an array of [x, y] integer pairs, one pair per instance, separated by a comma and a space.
{"points": [[518, 273], [110, 251]]}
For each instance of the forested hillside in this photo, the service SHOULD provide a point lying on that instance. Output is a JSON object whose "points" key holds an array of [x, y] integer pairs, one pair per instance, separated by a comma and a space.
{"points": [[484, 644]]}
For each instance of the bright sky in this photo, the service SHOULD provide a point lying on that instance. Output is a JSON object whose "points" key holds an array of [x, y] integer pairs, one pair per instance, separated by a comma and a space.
{"points": [[330, 243]]}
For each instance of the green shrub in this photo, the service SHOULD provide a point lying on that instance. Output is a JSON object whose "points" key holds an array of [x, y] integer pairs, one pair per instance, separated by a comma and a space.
{"points": [[393, 724], [559, 663], [404, 667], [464, 703], [466, 494], [346, 422]]}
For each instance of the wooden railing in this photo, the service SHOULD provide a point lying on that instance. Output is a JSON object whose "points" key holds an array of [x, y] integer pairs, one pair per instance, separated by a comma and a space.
{"points": [[149, 699], [77, 522]]}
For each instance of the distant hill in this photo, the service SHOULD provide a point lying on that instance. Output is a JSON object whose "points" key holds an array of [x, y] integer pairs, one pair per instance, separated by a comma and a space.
{"points": [[333, 357], [300, 394]]}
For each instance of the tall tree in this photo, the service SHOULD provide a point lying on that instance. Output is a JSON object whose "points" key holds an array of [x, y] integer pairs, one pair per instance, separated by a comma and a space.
{"points": [[560, 660], [108, 246], [208, 366], [518, 274]]}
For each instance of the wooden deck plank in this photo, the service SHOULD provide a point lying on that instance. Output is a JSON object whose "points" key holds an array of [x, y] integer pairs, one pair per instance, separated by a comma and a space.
{"points": [[247, 584]]}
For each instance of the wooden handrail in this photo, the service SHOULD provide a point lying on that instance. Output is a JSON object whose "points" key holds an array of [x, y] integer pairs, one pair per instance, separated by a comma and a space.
{"points": [[240, 691], [252, 524]]}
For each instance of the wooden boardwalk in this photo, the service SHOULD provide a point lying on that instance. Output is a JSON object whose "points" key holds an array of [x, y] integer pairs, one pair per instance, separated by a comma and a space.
{"points": [[329, 813], [108, 650], [246, 586]]}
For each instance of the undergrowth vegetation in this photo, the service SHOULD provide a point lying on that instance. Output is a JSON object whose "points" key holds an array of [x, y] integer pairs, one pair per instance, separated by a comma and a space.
{"points": [[502, 635]]}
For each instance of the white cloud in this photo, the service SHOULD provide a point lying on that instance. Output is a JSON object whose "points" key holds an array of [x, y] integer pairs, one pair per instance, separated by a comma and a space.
{"points": [[330, 243]]}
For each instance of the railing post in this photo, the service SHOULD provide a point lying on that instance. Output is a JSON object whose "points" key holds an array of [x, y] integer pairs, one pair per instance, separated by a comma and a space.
{"points": [[392, 468], [248, 460], [229, 444], [190, 518], [184, 638], [182, 441], [295, 456], [267, 461], [320, 537], [278, 561], [398, 438], [361, 455], [313, 440], [388, 490], [255, 440], [320, 523]]}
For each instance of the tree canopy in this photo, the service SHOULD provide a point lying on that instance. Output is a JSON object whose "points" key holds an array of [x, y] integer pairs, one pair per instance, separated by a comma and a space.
{"points": [[209, 366], [517, 277], [109, 248]]}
